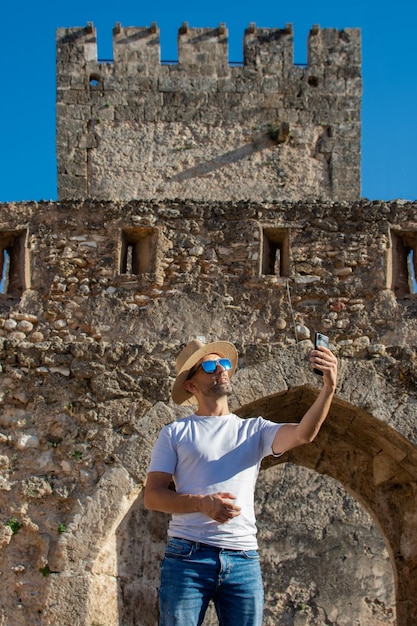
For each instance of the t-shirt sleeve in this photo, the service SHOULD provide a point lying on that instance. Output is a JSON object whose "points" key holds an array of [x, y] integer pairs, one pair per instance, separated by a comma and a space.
{"points": [[269, 430], [164, 455]]}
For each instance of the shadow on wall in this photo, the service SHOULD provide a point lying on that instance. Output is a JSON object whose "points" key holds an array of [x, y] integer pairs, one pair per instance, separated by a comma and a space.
{"points": [[224, 159]]}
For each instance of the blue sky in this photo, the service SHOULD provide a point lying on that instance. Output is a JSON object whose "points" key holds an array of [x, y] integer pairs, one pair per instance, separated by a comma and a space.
{"points": [[27, 57]]}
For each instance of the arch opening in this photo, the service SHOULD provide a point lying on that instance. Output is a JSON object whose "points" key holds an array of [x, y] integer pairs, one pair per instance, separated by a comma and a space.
{"points": [[349, 457], [373, 462]]}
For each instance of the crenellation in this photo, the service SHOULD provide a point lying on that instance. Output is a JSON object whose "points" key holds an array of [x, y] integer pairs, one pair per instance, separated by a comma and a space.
{"points": [[203, 50], [331, 49], [136, 50], [269, 50], [77, 46]]}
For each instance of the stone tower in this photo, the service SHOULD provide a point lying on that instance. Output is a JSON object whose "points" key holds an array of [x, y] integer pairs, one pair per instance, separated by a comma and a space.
{"points": [[202, 128]]}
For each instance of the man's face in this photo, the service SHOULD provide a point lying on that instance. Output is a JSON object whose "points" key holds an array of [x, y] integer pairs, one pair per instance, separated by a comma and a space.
{"points": [[212, 385]]}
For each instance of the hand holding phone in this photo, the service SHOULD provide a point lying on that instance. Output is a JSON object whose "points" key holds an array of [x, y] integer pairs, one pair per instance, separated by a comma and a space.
{"points": [[320, 340]]}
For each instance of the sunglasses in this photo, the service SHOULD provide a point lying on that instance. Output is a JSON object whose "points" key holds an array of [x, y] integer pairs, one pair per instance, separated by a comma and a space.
{"points": [[209, 367]]}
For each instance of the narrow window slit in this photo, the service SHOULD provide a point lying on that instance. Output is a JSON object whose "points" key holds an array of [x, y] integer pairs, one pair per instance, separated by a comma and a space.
{"points": [[4, 284], [14, 263], [275, 252], [138, 251], [411, 271], [402, 268]]}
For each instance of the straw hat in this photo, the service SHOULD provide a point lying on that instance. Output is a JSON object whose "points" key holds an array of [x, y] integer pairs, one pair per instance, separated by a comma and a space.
{"points": [[190, 355]]}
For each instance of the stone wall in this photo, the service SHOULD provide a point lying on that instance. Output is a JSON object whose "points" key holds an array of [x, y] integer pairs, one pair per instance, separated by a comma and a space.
{"points": [[108, 293], [249, 228], [336, 267], [203, 128]]}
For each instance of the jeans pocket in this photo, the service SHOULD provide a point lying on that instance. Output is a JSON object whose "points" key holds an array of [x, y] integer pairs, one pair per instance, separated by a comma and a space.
{"points": [[177, 548], [252, 555]]}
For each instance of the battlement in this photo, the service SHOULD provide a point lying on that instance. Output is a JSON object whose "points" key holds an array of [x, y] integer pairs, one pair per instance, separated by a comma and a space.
{"points": [[203, 128], [137, 49]]}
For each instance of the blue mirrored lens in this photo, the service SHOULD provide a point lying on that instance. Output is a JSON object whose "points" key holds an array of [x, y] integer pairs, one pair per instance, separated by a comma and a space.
{"points": [[210, 366]]}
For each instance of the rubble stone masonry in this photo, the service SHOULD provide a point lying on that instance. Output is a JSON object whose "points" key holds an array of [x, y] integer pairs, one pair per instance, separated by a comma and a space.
{"points": [[202, 128], [99, 299]]}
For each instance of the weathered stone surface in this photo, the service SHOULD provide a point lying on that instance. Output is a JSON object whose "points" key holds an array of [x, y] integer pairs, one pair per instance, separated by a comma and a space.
{"points": [[83, 403], [204, 129]]}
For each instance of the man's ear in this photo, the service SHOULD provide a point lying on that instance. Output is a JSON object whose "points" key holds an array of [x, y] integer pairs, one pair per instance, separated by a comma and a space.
{"points": [[189, 386]]}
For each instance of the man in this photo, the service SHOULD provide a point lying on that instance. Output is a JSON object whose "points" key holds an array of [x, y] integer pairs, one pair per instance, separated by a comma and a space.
{"points": [[213, 457]]}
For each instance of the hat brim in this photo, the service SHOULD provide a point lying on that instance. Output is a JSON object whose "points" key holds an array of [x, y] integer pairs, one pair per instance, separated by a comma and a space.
{"points": [[224, 349]]}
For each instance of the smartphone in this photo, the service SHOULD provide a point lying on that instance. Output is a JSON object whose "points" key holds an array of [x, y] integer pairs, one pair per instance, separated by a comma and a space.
{"points": [[320, 340]]}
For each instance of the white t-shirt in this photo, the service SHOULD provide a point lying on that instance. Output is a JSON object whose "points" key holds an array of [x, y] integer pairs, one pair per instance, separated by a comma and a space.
{"points": [[209, 455]]}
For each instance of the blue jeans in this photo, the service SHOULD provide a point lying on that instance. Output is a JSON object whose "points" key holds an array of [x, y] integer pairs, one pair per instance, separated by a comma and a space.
{"points": [[194, 573]]}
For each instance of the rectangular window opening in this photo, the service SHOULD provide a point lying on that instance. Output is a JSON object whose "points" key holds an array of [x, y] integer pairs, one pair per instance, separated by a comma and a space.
{"points": [[275, 252], [13, 263], [138, 251], [403, 271]]}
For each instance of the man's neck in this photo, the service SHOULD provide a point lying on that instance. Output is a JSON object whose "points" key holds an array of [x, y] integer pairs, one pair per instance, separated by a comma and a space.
{"points": [[214, 409]]}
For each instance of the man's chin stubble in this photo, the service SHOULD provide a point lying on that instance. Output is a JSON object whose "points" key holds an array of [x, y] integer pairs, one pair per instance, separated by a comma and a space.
{"points": [[220, 389]]}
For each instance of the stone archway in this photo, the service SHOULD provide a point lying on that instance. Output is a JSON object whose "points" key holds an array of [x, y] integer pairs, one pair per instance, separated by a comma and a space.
{"points": [[374, 462]]}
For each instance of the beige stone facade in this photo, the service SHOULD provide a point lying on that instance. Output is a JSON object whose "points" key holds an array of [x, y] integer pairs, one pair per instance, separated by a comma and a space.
{"points": [[88, 351], [202, 128], [174, 222]]}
